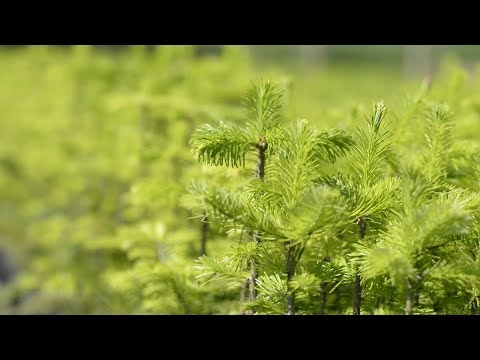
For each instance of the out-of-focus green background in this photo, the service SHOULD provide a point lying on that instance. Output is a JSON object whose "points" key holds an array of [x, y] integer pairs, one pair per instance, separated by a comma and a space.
{"points": [[94, 157]]}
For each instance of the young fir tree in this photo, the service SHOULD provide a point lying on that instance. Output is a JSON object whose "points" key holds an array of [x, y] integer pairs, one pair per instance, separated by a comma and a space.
{"points": [[89, 206], [228, 144], [421, 253], [370, 192], [282, 205]]}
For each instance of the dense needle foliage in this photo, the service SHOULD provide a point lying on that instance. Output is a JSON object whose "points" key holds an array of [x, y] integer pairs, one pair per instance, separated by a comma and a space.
{"points": [[159, 181]]}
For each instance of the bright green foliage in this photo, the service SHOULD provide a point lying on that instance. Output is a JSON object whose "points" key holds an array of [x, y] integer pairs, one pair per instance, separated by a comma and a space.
{"points": [[438, 134], [369, 191], [157, 181], [397, 225], [274, 206], [264, 107], [222, 144]]}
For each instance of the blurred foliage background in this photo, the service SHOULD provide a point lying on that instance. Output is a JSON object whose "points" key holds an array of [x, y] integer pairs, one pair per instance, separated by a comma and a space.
{"points": [[95, 158]]}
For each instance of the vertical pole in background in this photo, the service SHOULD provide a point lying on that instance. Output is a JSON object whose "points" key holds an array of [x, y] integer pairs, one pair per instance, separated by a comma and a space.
{"points": [[417, 60], [248, 49], [314, 55]]}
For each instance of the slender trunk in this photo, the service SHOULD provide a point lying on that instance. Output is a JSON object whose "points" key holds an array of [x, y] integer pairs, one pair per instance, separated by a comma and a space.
{"points": [[290, 270], [243, 291], [410, 298], [249, 284], [357, 295], [253, 272], [338, 299], [242, 296], [203, 241], [357, 290], [436, 307], [262, 147], [362, 227], [417, 294], [323, 298], [378, 302], [474, 306], [418, 286], [474, 303], [252, 295]]}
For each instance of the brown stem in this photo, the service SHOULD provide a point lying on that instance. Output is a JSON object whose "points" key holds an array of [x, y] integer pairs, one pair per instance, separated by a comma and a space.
{"points": [[378, 302], [243, 290], [252, 295], [290, 270], [362, 227], [253, 274], [249, 284], [418, 289], [357, 295], [293, 255], [323, 298], [410, 298], [203, 240], [474, 306], [338, 298], [416, 285], [357, 290], [262, 147]]}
